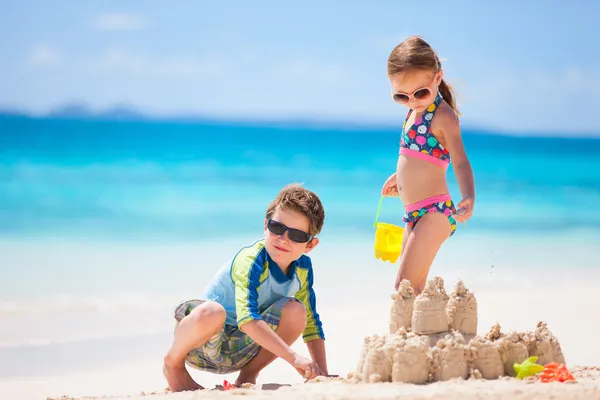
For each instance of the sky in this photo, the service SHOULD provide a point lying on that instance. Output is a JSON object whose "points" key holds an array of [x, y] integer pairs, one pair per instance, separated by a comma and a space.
{"points": [[517, 66]]}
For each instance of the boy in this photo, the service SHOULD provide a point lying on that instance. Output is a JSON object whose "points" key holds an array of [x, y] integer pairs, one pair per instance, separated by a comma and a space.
{"points": [[258, 304]]}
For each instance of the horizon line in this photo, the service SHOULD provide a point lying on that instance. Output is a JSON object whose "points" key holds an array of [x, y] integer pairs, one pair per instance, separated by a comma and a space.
{"points": [[126, 113]]}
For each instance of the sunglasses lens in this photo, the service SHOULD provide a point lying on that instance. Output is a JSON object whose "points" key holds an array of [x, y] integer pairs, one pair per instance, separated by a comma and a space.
{"points": [[298, 236], [276, 227], [295, 235], [421, 94], [400, 98]]}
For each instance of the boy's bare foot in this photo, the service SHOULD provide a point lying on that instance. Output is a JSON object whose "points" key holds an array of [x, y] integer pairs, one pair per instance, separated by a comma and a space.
{"points": [[245, 378], [179, 379]]}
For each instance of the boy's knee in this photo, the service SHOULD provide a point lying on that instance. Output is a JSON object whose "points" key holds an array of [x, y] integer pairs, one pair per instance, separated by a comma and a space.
{"points": [[208, 313], [294, 311]]}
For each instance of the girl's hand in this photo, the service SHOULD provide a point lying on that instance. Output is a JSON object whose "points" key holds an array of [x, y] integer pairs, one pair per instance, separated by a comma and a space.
{"points": [[465, 209], [390, 187]]}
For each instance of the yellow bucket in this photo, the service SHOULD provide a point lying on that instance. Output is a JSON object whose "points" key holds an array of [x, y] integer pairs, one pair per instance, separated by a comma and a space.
{"points": [[388, 239]]}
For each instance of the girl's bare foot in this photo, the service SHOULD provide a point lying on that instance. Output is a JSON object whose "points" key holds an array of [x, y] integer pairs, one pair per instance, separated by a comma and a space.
{"points": [[179, 379]]}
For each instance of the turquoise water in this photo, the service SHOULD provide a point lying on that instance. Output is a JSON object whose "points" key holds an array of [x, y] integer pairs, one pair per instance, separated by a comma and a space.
{"points": [[185, 181]]}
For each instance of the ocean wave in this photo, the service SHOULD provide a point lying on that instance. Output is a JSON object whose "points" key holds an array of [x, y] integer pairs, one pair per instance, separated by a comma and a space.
{"points": [[63, 319], [67, 337], [67, 304], [193, 174]]}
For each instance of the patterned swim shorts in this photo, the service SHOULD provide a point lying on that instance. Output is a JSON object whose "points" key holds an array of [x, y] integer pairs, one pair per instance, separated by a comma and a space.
{"points": [[230, 349], [441, 204]]}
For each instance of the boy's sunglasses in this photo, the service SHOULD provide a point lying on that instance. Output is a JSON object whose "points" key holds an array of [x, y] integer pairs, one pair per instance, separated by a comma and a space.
{"points": [[295, 235], [419, 94]]}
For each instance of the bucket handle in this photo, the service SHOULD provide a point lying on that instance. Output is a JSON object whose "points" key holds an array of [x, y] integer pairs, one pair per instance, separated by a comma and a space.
{"points": [[378, 211]]}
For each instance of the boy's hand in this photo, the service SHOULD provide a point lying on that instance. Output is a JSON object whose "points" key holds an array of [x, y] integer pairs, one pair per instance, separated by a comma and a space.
{"points": [[390, 187], [305, 367]]}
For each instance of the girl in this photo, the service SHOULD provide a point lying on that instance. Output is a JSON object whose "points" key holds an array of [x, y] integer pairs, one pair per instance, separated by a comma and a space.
{"points": [[430, 139]]}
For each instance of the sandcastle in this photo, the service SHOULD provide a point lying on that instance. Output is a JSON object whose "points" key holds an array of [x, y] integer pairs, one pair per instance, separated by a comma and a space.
{"points": [[433, 337]]}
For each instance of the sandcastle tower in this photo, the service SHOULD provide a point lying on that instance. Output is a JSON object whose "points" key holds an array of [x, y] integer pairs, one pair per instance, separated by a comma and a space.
{"points": [[486, 358], [399, 357], [543, 344], [462, 310], [412, 360], [433, 337], [451, 358], [511, 346], [401, 310], [429, 313]]}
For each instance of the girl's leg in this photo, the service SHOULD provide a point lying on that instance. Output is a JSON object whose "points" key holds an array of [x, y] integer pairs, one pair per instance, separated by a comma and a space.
{"points": [[407, 231], [420, 248]]}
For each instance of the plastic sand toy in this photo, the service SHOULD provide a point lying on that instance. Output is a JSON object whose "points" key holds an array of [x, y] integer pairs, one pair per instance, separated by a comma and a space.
{"points": [[228, 386], [388, 238], [528, 368], [554, 372]]}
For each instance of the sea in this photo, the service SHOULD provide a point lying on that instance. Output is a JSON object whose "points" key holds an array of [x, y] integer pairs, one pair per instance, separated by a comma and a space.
{"points": [[106, 224]]}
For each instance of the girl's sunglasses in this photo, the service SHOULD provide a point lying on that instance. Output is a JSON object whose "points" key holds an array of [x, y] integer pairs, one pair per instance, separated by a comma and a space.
{"points": [[419, 94], [295, 235]]}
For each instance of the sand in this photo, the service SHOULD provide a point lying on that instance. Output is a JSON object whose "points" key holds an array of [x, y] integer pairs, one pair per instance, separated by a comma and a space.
{"points": [[587, 387], [441, 342], [450, 364]]}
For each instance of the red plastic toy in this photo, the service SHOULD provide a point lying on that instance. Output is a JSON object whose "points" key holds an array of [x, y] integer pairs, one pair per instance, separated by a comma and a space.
{"points": [[554, 372], [228, 386]]}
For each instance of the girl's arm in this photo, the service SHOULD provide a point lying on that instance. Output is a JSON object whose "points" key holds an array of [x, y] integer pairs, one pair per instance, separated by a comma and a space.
{"points": [[447, 126]]}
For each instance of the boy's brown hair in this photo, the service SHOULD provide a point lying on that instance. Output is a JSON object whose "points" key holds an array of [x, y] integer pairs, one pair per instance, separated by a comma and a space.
{"points": [[296, 198]]}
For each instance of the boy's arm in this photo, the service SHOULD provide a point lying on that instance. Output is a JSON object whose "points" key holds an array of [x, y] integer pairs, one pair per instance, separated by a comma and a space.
{"points": [[246, 272], [262, 334], [316, 348], [313, 333], [306, 294]]}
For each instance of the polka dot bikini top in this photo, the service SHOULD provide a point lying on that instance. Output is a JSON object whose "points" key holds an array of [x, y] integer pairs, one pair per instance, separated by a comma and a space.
{"points": [[420, 142]]}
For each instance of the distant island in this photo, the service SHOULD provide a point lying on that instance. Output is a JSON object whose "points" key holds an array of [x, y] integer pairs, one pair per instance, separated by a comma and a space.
{"points": [[80, 110]]}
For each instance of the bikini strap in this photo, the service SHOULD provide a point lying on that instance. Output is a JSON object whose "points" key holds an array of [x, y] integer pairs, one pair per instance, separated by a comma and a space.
{"points": [[438, 99], [406, 120], [428, 115]]}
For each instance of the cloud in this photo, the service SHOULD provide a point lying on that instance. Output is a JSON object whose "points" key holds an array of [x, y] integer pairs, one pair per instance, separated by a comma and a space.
{"points": [[125, 62], [119, 22], [45, 56]]}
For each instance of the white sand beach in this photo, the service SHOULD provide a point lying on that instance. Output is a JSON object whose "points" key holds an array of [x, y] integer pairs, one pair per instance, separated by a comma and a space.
{"points": [[568, 313], [587, 387], [126, 366]]}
